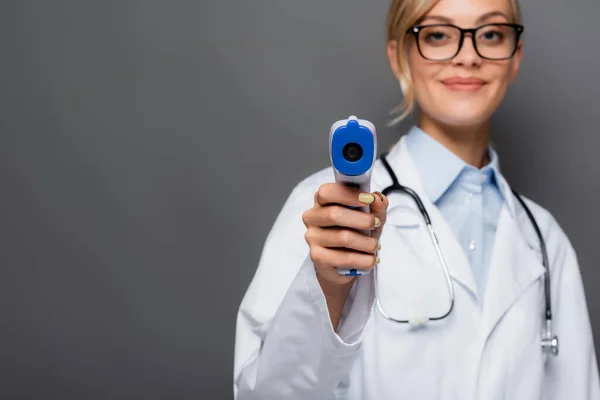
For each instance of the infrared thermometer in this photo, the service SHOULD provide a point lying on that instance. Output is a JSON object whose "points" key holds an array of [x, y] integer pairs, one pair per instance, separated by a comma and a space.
{"points": [[353, 151]]}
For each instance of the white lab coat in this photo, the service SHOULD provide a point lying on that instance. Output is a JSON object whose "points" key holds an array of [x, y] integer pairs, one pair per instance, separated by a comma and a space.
{"points": [[286, 347]]}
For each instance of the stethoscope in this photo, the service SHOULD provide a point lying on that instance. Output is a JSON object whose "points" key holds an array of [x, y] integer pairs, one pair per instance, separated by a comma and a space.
{"points": [[549, 340]]}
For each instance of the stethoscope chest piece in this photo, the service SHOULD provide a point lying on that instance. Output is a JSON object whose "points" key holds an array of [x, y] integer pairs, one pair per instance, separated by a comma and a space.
{"points": [[549, 340]]}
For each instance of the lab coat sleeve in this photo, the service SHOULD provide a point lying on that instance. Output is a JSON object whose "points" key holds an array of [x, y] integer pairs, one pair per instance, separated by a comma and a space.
{"points": [[573, 373], [285, 344]]}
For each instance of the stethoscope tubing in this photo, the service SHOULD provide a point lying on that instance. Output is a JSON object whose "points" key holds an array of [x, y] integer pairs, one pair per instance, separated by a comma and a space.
{"points": [[396, 186]]}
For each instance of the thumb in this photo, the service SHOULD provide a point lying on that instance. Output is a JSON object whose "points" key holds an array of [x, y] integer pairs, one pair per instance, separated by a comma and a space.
{"points": [[379, 209]]}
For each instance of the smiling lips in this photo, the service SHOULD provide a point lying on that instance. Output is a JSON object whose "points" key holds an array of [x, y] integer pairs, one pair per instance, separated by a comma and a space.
{"points": [[460, 84]]}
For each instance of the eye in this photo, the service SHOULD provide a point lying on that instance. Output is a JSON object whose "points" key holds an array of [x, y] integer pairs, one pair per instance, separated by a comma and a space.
{"points": [[492, 35], [439, 35], [435, 36]]}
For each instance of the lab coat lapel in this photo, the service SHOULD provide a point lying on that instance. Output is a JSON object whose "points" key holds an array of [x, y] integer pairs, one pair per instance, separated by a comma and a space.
{"points": [[402, 211], [514, 267]]}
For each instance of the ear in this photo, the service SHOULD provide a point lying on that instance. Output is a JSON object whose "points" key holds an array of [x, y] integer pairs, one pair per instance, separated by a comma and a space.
{"points": [[392, 52], [516, 62]]}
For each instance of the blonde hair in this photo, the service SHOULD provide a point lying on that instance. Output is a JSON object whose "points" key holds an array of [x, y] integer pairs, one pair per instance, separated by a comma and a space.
{"points": [[403, 14]]}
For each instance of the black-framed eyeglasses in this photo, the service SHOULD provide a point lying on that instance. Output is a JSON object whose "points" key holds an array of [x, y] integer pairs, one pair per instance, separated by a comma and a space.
{"points": [[441, 42]]}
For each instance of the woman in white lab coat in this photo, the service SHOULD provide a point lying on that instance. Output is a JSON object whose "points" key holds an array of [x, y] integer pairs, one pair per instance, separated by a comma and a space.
{"points": [[306, 332]]}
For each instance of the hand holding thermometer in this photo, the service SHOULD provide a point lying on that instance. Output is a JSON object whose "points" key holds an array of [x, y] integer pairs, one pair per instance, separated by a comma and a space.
{"points": [[353, 151]]}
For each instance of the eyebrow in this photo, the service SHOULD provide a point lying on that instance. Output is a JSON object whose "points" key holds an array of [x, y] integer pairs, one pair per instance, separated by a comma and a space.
{"points": [[480, 19]]}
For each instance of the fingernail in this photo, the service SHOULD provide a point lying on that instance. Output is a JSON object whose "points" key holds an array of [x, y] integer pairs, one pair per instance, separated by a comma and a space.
{"points": [[377, 260], [379, 247], [377, 222], [366, 198], [380, 196]]}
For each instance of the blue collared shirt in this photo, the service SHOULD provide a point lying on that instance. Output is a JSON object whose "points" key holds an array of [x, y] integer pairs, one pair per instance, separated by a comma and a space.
{"points": [[468, 198]]}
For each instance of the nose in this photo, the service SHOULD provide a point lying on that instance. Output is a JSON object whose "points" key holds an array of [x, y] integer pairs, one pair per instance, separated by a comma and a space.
{"points": [[467, 56]]}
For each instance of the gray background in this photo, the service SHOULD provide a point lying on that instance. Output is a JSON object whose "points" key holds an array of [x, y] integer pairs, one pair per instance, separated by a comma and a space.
{"points": [[147, 147]]}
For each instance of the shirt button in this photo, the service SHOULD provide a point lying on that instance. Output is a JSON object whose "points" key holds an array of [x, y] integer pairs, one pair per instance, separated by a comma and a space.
{"points": [[469, 198], [483, 177], [472, 244]]}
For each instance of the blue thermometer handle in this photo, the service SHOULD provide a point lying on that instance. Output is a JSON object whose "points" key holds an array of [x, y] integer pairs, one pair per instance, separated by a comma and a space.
{"points": [[353, 149]]}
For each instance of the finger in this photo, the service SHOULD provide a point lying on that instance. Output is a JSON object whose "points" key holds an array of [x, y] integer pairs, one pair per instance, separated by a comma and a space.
{"points": [[342, 238], [341, 216], [379, 209], [329, 258], [338, 193]]}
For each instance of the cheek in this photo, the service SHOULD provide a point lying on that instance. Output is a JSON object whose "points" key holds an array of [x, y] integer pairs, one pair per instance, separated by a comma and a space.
{"points": [[425, 74]]}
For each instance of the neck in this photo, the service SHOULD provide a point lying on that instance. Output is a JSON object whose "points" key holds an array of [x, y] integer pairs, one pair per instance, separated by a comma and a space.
{"points": [[470, 143]]}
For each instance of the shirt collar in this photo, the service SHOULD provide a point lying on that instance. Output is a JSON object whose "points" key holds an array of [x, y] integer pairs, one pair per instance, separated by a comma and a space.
{"points": [[438, 167]]}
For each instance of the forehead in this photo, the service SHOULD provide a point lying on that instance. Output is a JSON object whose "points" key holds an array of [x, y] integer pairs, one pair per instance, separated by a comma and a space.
{"points": [[468, 12]]}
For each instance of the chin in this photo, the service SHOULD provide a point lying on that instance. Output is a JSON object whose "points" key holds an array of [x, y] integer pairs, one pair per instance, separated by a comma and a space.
{"points": [[461, 115], [465, 118]]}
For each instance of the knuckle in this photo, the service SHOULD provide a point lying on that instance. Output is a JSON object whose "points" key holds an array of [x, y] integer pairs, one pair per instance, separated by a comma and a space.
{"points": [[345, 238], [323, 191], [333, 214], [308, 236], [316, 255], [305, 216], [319, 194]]}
